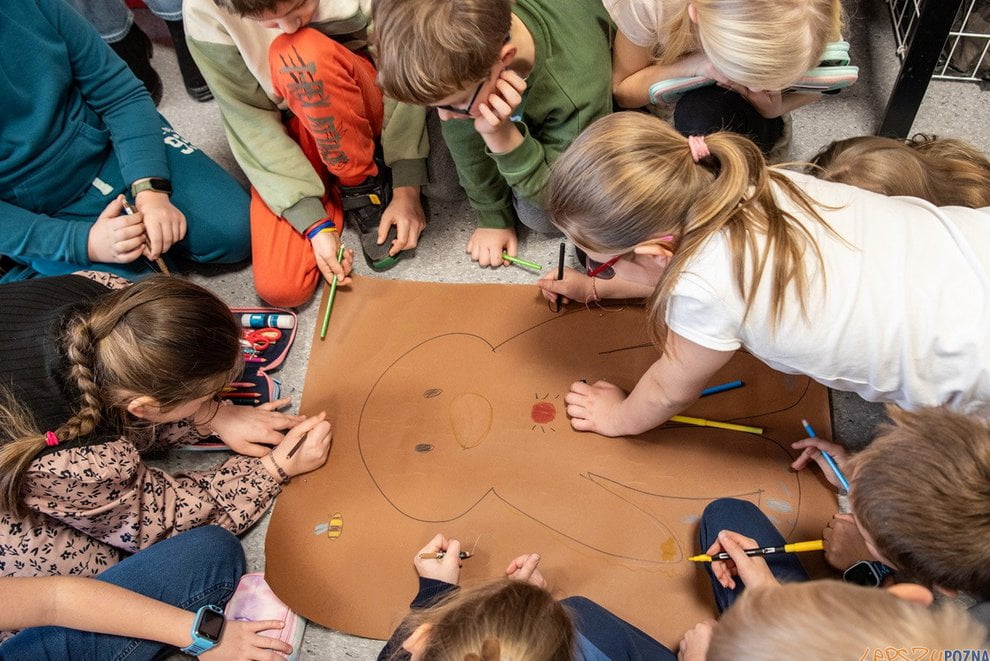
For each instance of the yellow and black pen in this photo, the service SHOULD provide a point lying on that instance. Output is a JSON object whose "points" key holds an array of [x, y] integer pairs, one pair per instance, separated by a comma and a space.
{"points": [[796, 547]]}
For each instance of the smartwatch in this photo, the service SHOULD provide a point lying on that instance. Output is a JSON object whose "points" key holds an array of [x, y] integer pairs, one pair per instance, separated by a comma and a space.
{"points": [[156, 184], [206, 630], [867, 572]]}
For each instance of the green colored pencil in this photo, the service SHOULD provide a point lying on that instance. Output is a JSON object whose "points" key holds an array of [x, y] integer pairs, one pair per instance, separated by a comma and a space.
{"points": [[521, 262], [333, 292]]}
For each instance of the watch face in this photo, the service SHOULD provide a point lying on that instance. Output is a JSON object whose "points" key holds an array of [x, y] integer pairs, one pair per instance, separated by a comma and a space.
{"points": [[862, 573], [210, 625]]}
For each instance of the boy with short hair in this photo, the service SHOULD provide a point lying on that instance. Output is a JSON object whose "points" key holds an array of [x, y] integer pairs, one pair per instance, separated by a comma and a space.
{"points": [[920, 496], [515, 82], [303, 115]]}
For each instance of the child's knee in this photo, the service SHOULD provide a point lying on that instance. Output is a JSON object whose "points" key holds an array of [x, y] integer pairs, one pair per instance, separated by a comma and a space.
{"points": [[276, 290], [301, 50]]}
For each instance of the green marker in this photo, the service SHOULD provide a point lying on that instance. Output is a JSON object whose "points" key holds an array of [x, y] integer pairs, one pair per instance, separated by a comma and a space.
{"points": [[333, 292], [521, 262]]}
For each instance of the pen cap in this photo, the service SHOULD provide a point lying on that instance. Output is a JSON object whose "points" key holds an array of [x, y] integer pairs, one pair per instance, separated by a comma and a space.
{"points": [[259, 320]]}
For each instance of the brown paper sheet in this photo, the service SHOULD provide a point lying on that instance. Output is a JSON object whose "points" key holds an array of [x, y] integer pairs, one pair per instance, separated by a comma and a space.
{"points": [[447, 405]]}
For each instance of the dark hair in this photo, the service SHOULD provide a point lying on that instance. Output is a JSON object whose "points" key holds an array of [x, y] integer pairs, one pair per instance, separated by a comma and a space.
{"points": [[163, 337]]}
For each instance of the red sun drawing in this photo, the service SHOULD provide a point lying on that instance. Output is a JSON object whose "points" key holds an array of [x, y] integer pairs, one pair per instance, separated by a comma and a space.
{"points": [[543, 412]]}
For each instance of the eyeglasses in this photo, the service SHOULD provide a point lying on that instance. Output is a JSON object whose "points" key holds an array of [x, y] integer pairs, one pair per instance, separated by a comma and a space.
{"points": [[466, 111], [602, 270]]}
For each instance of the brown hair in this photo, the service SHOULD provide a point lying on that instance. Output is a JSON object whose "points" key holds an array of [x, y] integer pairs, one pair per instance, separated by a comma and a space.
{"points": [[630, 177], [766, 44], [943, 171], [430, 49], [921, 490], [163, 337], [832, 620], [526, 621]]}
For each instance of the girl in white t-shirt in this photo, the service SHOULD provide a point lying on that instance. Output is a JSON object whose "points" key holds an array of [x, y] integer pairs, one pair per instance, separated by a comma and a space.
{"points": [[888, 297], [752, 48]]}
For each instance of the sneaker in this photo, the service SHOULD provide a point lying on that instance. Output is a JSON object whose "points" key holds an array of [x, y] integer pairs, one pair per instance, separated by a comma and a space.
{"points": [[363, 206], [193, 80]]}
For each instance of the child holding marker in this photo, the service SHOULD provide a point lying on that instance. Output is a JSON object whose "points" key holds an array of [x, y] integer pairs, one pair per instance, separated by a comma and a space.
{"points": [[918, 495], [886, 297], [91, 378]]}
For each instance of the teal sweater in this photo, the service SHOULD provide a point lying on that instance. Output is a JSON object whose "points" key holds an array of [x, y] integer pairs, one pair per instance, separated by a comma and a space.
{"points": [[67, 99], [569, 87]]}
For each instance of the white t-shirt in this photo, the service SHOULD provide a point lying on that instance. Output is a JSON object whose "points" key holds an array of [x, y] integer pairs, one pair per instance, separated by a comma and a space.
{"points": [[639, 20], [904, 315]]}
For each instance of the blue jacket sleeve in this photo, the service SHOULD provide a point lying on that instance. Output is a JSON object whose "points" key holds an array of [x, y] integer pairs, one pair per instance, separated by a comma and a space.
{"points": [[24, 233]]}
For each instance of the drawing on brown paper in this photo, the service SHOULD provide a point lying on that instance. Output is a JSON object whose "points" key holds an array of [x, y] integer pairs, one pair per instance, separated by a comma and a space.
{"points": [[454, 421]]}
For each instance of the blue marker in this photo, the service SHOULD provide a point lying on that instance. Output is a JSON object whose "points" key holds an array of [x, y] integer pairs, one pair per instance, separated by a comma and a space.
{"points": [[731, 385], [828, 458]]}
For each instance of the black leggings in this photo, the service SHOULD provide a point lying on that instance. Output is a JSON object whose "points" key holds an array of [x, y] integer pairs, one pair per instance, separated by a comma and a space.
{"points": [[709, 109]]}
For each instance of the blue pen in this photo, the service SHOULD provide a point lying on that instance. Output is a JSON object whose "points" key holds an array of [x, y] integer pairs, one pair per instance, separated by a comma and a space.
{"points": [[731, 385], [828, 458]]}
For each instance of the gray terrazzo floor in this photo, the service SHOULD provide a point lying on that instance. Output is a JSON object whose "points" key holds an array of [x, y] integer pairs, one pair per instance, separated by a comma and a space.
{"points": [[950, 109]]}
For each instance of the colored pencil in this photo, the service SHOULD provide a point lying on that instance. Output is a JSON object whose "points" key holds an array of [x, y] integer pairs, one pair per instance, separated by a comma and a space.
{"points": [[439, 556], [731, 385], [521, 262], [829, 459], [333, 292], [243, 384], [158, 260], [242, 395], [796, 547], [701, 422]]}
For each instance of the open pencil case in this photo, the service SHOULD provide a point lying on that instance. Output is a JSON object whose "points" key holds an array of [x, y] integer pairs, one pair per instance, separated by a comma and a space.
{"points": [[266, 337]]}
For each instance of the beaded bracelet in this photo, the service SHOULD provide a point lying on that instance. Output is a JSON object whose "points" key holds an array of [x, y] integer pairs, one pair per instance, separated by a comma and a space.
{"points": [[282, 475], [326, 225]]}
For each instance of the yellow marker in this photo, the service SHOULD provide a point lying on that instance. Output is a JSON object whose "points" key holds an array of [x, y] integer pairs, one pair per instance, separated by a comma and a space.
{"points": [[796, 547], [701, 422]]}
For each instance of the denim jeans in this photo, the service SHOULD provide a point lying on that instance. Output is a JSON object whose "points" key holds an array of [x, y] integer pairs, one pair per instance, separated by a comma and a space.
{"points": [[745, 518], [193, 569], [112, 19]]}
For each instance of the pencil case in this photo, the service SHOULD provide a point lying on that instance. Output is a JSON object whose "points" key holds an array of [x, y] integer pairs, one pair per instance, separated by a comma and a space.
{"points": [[253, 600], [263, 354], [826, 80]]}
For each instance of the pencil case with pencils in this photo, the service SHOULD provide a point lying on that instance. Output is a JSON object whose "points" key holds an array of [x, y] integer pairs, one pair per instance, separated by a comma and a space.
{"points": [[266, 337]]}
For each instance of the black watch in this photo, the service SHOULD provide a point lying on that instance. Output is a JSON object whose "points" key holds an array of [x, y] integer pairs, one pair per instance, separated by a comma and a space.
{"points": [[156, 184], [867, 572]]}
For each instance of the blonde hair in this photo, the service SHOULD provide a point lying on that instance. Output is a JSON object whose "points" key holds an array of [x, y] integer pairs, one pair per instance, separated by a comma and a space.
{"points": [[762, 44], [630, 177], [943, 171], [430, 49], [921, 490], [163, 337], [832, 620], [524, 620]]}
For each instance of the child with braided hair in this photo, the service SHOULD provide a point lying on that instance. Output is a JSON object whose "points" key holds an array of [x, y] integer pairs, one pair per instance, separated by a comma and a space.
{"points": [[888, 297], [93, 379]]}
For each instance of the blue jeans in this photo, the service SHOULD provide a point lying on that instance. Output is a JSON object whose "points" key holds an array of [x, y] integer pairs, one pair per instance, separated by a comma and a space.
{"points": [[198, 567], [605, 636], [745, 518], [112, 19]]}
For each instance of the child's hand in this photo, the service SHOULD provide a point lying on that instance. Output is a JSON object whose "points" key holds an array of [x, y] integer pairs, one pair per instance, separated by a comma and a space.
{"points": [[447, 568], [702, 66], [163, 223], [524, 568], [494, 124], [242, 641], [844, 543], [812, 450], [325, 246], [595, 407], [487, 245], [311, 454], [575, 286], [694, 644], [405, 211], [251, 430], [116, 239], [753, 570]]}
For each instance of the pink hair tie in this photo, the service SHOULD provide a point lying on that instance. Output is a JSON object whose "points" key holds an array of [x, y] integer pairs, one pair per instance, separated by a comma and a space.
{"points": [[699, 149], [51, 440]]}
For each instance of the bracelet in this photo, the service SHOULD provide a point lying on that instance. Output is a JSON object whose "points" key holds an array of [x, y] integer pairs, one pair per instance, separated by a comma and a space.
{"points": [[325, 225], [594, 290], [282, 475]]}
